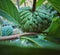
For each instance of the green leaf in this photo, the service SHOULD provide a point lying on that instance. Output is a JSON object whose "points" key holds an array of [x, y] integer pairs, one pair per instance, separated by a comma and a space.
{"points": [[12, 49], [56, 4], [39, 2], [42, 43], [22, 1], [9, 11], [9, 18], [45, 47], [0, 31], [1, 21], [54, 29]]}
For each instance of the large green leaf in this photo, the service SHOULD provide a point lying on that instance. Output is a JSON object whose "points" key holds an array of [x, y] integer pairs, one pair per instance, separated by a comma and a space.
{"points": [[9, 11], [39, 2], [54, 29], [56, 4], [14, 50], [22, 1], [42, 43], [45, 47]]}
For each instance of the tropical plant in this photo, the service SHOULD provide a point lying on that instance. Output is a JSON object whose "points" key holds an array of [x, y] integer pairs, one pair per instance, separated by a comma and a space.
{"points": [[40, 26]]}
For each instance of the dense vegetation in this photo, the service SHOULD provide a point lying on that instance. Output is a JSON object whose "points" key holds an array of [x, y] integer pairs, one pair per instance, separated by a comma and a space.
{"points": [[30, 30]]}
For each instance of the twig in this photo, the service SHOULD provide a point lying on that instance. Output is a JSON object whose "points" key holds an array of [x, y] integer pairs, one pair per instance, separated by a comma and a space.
{"points": [[15, 36]]}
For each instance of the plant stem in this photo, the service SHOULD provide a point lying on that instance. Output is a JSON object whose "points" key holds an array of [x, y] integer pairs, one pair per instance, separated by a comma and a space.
{"points": [[17, 36], [18, 3], [34, 5]]}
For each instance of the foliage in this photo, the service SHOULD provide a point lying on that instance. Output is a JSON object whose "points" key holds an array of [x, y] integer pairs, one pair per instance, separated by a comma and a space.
{"points": [[30, 22], [35, 22], [1, 21], [9, 11], [14, 50], [22, 1], [55, 28], [39, 2], [55, 4], [7, 30]]}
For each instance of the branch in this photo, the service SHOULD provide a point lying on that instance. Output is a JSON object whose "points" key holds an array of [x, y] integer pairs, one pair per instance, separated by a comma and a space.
{"points": [[34, 5], [2, 38], [17, 36]]}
